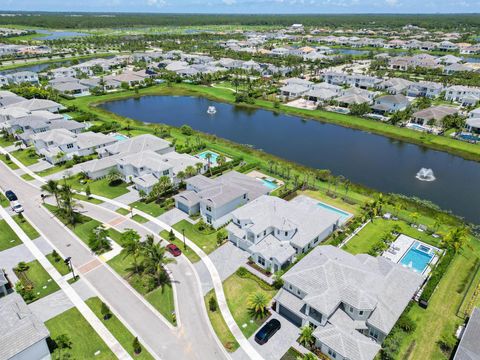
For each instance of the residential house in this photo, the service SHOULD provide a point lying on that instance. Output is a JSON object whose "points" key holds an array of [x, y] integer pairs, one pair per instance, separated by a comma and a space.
{"points": [[215, 199], [4, 284], [274, 230], [390, 103], [63, 72], [73, 88], [23, 77], [447, 46], [38, 104], [352, 301], [456, 67], [394, 86], [465, 95], [432, 115], [427, 89], [469, 346], [22, 334]]}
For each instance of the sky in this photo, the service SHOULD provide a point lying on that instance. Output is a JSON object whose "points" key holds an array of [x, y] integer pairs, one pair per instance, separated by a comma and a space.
{"points": [[247, 6]]}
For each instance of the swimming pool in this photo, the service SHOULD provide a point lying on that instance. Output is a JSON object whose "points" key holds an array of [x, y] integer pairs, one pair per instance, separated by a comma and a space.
{"points": [[469, 137], [344, 216], [213, 156], [417, 257], [120, 137], [272, 185]]}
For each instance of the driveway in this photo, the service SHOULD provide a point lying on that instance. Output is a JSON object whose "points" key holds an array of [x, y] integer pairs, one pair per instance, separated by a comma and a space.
{"points": [[40, 165], [129, 197], [278, 345], [227, 259], [172, 216]]}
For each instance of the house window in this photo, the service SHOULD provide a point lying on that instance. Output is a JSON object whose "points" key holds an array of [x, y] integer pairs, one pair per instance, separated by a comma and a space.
{"points": [[351, 309], [166, 172], [69, 146], [264, 232], [360, 313], [298, 292], [290, 287], [261, 261], [209, 208], [244, 196], [286, 233]]}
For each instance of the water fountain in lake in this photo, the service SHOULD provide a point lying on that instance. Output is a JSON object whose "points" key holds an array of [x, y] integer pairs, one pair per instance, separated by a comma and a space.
{"points": [[425, 175], [211, 110]]}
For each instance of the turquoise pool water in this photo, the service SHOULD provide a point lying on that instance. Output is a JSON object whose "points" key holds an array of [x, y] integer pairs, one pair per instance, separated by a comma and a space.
{"points": [[417, 257], [269, 184], [120, 137], [343, 214], [213, 159]]}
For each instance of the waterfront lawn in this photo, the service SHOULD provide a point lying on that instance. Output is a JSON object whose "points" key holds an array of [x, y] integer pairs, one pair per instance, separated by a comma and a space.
{"points": [[26, 156], [220, 326], [85, 341], [26, 227], [237, 292], [8, 238], [161, 299], [9, 162], [99, 187], [188, 252], [206, 240], [118, 330], [336, 202], [364, 241], [38, 279], [440, 318], [58, 264]]}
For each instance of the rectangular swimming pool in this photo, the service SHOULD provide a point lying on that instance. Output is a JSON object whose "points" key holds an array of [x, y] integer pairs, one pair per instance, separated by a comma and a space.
{"points": [[344, 216], [271, 185], [213, 156], [417, 257]]}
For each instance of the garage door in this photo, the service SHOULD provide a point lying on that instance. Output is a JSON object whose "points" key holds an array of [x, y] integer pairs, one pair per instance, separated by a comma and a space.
{"points": [[290, 316], [183, 207]]}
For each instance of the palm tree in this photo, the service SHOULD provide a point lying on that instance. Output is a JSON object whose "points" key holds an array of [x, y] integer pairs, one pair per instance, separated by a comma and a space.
{"points": [[181, 176], [51, 187], [132, 246], [306, 336], [67, 204], [258, 304], [208, 156], [221, 160], [155, 261], [456, 238], [414, 217], [114, 176], [98, 240], [161, 186], [308, 356], [60, 155]]}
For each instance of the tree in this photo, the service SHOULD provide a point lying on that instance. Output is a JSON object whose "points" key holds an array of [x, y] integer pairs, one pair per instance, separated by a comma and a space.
{"points": [[221, 235], [456, 238], [155, 261], [142, 194], [51, 187], [186, 130], [98, 240], [114, 177], [258, 304], [359, 109], [190, 171], [105, 311], [181, 176], [161, 187], [198, 167], [306, 336], [221, 160], [212, 304], [137, 347], [171, 235], [88, 192], [132, 247], [62, 342]]}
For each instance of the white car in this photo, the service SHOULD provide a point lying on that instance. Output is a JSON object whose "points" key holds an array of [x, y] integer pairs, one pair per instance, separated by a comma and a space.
{"points": [[16, 206]]}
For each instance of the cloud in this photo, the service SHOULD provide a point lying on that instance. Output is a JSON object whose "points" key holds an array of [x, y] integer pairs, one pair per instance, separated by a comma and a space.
{"points": [[157, 3], [392, 2], [229, 2]]}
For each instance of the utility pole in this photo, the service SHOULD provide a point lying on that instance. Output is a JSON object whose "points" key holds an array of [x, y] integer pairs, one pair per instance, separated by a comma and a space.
{"points": [[68, 262]]}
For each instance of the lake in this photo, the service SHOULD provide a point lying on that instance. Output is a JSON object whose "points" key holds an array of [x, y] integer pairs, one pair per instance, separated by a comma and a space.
{"points": [[54, 35], [375, 161]]}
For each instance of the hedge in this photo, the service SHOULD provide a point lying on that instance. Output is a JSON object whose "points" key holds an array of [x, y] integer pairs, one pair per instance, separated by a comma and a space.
{"points": [[436, 275]]}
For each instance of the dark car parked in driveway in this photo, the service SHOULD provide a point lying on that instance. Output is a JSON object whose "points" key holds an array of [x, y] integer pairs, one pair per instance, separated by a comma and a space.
{"points": [[11, 195], [267, 331], [174, 250]]}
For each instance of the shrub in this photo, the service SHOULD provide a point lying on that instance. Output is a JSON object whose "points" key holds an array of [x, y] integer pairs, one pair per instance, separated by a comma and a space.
{"points": [[242, 272], [406, 324], [186, 130], [212, 304], [55, 256], [105, 311], [436, 276], [137, 347]]}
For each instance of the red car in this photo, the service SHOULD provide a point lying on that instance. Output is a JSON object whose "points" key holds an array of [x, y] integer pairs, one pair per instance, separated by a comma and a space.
{"points": [[174, 250]]}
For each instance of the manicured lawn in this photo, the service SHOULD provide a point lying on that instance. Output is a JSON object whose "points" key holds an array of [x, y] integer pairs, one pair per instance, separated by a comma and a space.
{"points": [[27, 177], [189, 253], [99, 187], [37, 277], [291, 354], [8, 238], [9, 163], [372, 233], [52, 170], [206, 241], [118, 330], [26, 227], [122, 211], [149, 208], [60, 265], [4, 201], [220, 326], [85, 198], [5, 143], [162, 300], [336, 202], [238, 291], [140, 219], [85, 341], [440, 319], [25, 156]]}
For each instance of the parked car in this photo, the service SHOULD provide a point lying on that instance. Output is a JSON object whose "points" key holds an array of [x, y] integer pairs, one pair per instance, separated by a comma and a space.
{"points": [[16, 206], [11, 195], [267, 331], [174, 250]]}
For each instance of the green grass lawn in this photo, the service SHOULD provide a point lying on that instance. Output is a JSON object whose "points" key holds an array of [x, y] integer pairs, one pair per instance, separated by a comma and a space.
{"points": [[25, 156], [8, 238], [99, 187], [372, 233], [60, 265], [85, 341], [85, 198], [140, 219], [4, 201], [118, 330], [206, 241], [237, 291], [189, 253], [39, 279], [4, 143], [26, 227], [162, 300], [27, 177], [122, 211], [220, 326], [9, 162], [149, 208]]}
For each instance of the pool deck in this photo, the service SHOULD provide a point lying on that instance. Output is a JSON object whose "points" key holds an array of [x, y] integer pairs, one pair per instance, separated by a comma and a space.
{"points": [[400, 247], [213, 162], [258, 175]]}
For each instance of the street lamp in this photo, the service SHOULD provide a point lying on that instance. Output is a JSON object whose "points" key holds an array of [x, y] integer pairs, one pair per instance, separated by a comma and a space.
{"points": [[68, 262], [184, 244]]}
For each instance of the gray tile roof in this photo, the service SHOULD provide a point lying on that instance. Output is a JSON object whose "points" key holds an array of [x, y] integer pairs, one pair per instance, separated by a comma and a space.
{"points": [[137, 144], [469, 346], [19, 328]]}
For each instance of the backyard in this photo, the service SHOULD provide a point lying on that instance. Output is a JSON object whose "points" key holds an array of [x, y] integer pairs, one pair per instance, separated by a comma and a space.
{"points": [[85, 341]]}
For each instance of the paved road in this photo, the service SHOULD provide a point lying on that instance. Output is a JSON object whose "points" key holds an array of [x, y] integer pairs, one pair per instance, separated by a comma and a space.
{"points": [[163, 341]]}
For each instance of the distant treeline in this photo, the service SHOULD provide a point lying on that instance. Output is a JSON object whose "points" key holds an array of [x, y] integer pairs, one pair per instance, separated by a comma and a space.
{"points": [[125, 20]]}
